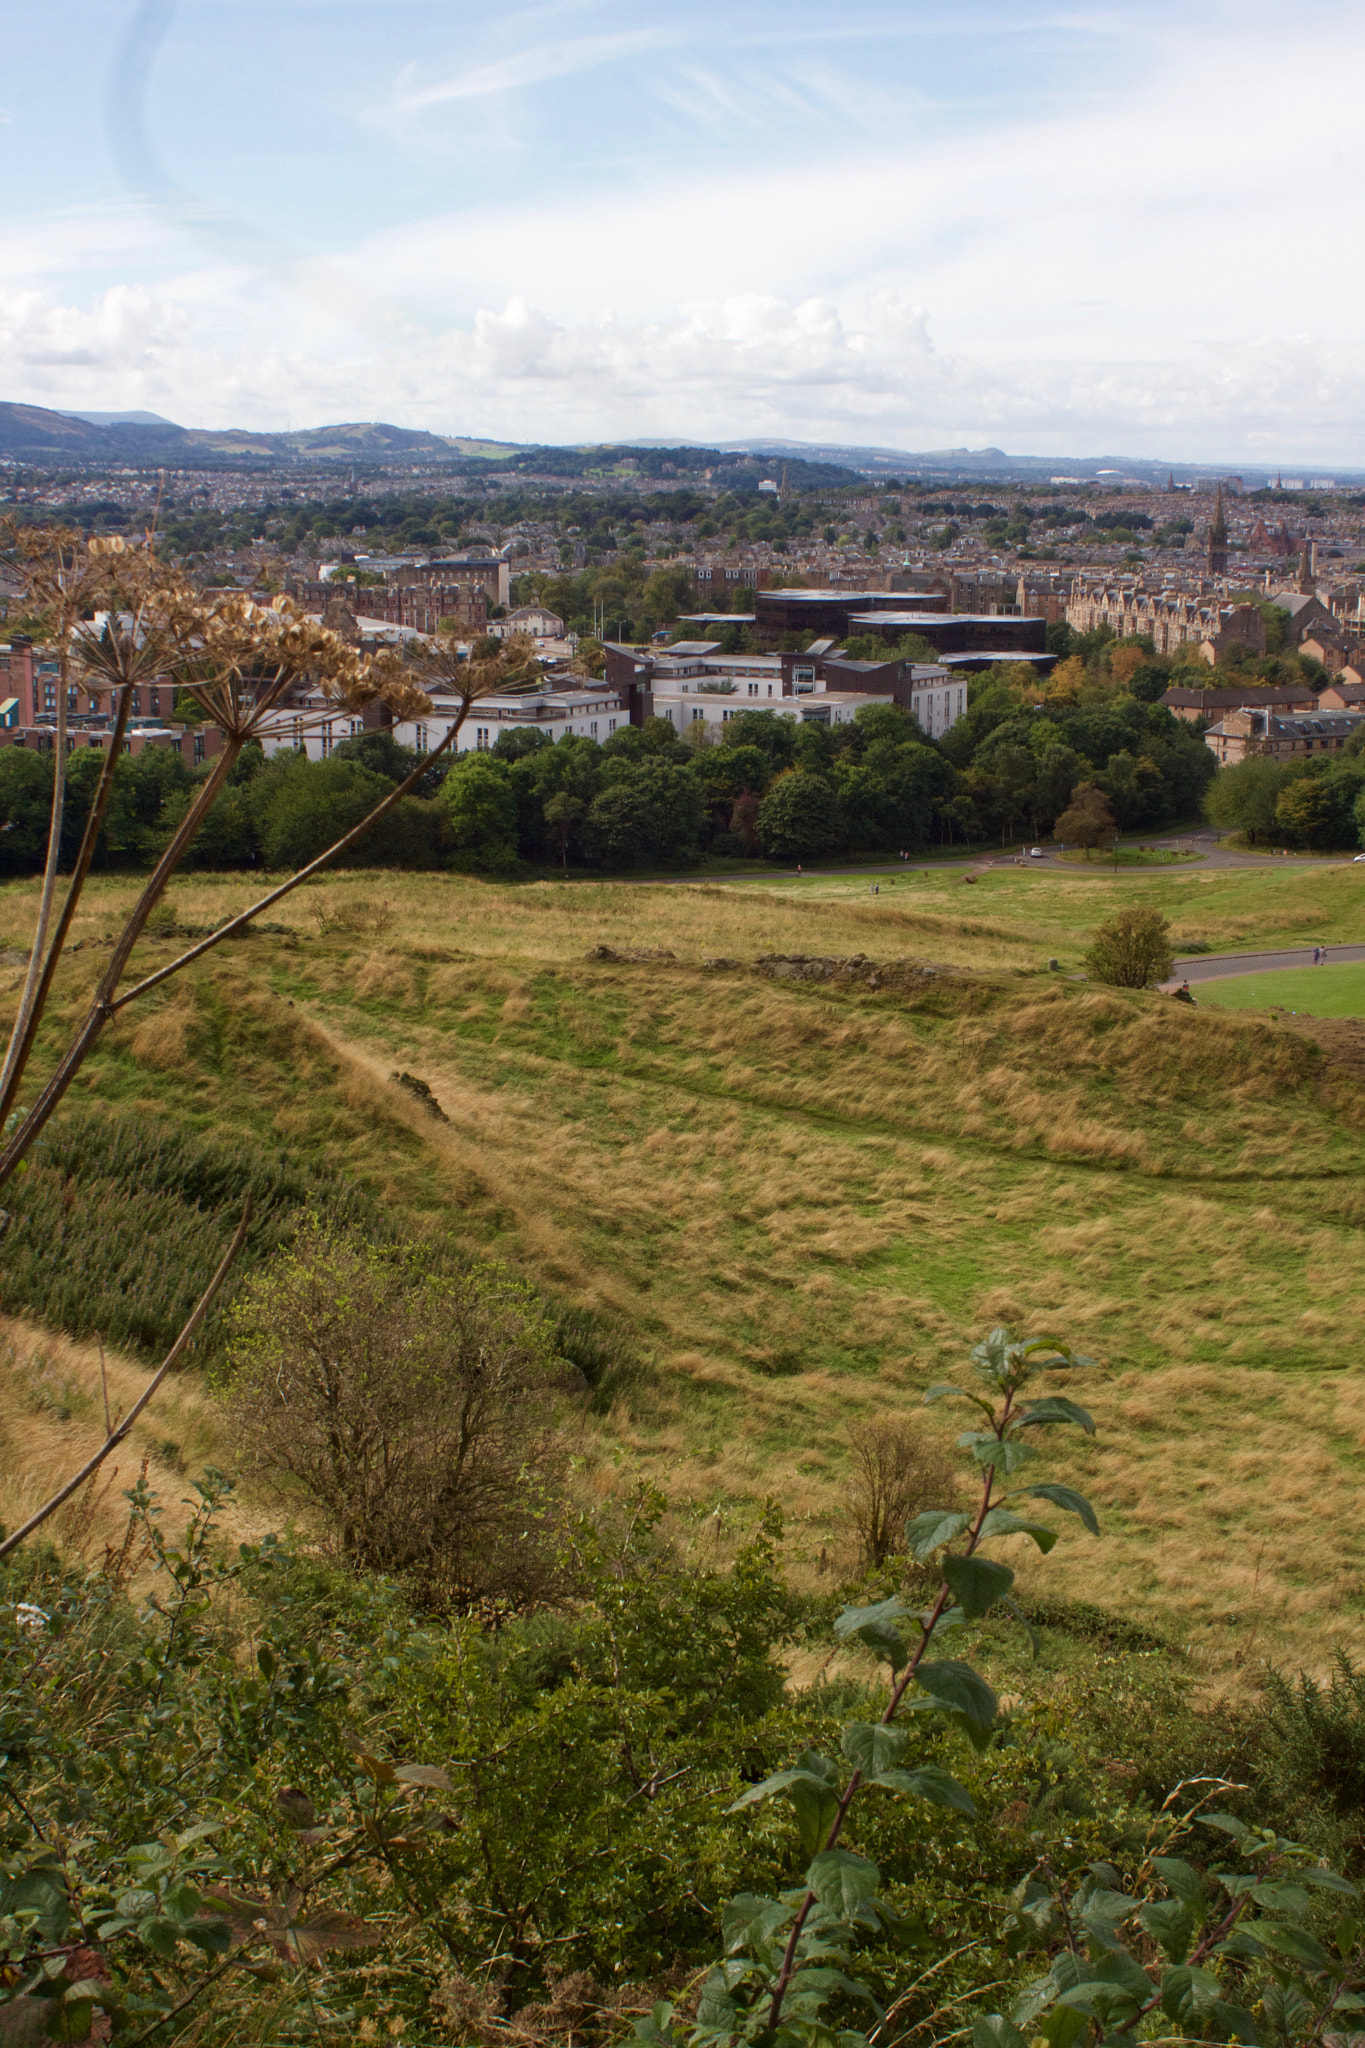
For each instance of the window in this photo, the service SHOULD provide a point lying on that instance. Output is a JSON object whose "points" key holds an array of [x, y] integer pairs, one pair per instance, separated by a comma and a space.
{"points": [[327, 738], [611, 725], [592, 730], [480, 737], [357, 725], [419, 738], [753, 689], [154, 703], [770, 689], [959, 703], [698, 714], [137, 701], [199, 746]]}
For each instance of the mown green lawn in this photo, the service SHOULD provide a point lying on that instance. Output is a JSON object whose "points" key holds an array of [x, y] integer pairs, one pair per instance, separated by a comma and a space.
{"points": [[1312, 991]]}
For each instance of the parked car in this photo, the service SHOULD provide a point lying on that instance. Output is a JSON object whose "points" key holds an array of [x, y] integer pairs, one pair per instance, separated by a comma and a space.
{"points": [[1035, 853]]}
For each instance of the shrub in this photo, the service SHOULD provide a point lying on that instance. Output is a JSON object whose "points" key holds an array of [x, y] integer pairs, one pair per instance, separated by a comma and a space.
{"points": [[412, 1407], [896, 1471], [1131, 950]]}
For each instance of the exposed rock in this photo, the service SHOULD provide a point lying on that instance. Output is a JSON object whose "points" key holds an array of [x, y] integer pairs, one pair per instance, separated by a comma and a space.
{"points": [[856, 968], [422, 1090], [629, 953]]}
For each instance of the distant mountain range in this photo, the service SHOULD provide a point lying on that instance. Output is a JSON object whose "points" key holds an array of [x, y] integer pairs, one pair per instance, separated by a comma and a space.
{"points": [[34, 435]]}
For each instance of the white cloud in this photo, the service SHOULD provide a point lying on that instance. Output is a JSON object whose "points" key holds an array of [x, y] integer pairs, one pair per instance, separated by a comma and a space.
{"points": [[737, 367]]}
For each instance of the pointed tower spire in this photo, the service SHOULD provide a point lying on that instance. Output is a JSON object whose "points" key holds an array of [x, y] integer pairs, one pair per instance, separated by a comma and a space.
{"points": [[1218, 539]]}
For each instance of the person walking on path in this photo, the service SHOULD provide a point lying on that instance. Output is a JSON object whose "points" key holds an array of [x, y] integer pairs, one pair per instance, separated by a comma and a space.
{"points": [[1317, 956]]}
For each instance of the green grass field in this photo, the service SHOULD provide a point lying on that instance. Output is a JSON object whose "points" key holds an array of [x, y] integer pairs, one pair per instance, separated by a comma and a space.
{"points": [[807, 1197], [1306, 991]]}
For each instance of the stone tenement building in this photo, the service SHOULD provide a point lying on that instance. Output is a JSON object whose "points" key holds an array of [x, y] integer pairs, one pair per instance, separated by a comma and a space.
{"points": [[1247, 732], [1168, 618]]}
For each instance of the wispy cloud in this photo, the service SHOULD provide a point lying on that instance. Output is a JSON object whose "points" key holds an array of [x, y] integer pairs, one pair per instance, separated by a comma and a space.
{"points": [[524, 68]]}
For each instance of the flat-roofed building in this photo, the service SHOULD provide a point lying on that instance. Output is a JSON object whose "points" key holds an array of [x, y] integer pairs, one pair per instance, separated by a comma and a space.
{"points": [[780, 612], [956, 632]]}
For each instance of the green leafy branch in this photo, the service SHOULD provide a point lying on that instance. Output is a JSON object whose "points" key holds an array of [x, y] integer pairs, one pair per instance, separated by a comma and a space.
{"points": [[786, 1958]]}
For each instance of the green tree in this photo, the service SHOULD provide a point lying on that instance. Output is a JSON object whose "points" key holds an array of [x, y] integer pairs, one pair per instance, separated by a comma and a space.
{"points": [[646, 812], [1244, 796], [480, 805], [1131, 949], [799, 818], [25, 809], [1087, 820], [1318, 809], [769, 731]]}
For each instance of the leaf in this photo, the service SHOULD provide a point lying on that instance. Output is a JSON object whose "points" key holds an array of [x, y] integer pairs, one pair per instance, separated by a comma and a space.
{"points": [[1327, 1880], [1226, 1825], [816, 1806], [932, 1529], [276, 1921], [955, 1685], [1171, 1925], [326, 1931], [994, 2031], [1040, 1414], [424, 1774], [1188, 1994], [977, 1583], [1003, 1522], [1180, 1878], [1234, 2023], [871, 1625], [851, 1619], [1291, 1942], [1064, 1497], [1002, 1454], [944, 1390], [813, 1787], [887, 1642], [160, 1935], [750, 1921], [374, 1766], [927, 1781], [842, 1880], [872, 1747]]}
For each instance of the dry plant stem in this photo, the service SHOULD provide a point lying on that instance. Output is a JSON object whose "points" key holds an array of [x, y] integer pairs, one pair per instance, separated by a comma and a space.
{"points": [[13, 1075], [898, 1692], [304, 874], [121, 1429], [101, 1008], [25, 1021]]}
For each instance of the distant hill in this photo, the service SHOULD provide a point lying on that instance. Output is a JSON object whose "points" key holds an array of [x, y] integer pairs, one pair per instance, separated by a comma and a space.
{"points": [[33, 434], [118, 419]]}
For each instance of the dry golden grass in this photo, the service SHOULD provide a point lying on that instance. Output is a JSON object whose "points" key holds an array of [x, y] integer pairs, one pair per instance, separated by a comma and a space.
{"points": [[52, 1419], [807, 1199]]}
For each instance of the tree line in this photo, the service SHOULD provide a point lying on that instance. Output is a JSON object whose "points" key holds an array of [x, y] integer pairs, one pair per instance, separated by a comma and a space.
{"points": [[772, 787]]}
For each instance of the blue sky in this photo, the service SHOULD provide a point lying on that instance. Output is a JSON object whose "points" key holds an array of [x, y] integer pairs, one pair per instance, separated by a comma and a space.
{"points": [[1087, 229]]}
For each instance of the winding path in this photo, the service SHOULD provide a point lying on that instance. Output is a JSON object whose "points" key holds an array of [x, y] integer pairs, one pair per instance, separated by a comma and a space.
{"points": [[1218, 966]]}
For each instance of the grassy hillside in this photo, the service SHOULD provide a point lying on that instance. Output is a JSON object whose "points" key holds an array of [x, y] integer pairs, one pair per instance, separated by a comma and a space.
{"points": [[802, 1193]]}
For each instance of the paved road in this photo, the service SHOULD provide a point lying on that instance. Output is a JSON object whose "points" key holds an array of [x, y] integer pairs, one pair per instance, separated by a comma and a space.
{"points": [[1218, 966]]}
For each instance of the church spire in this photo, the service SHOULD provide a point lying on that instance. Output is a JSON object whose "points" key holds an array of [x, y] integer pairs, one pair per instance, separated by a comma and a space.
{"points": [[1218, 539]]}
